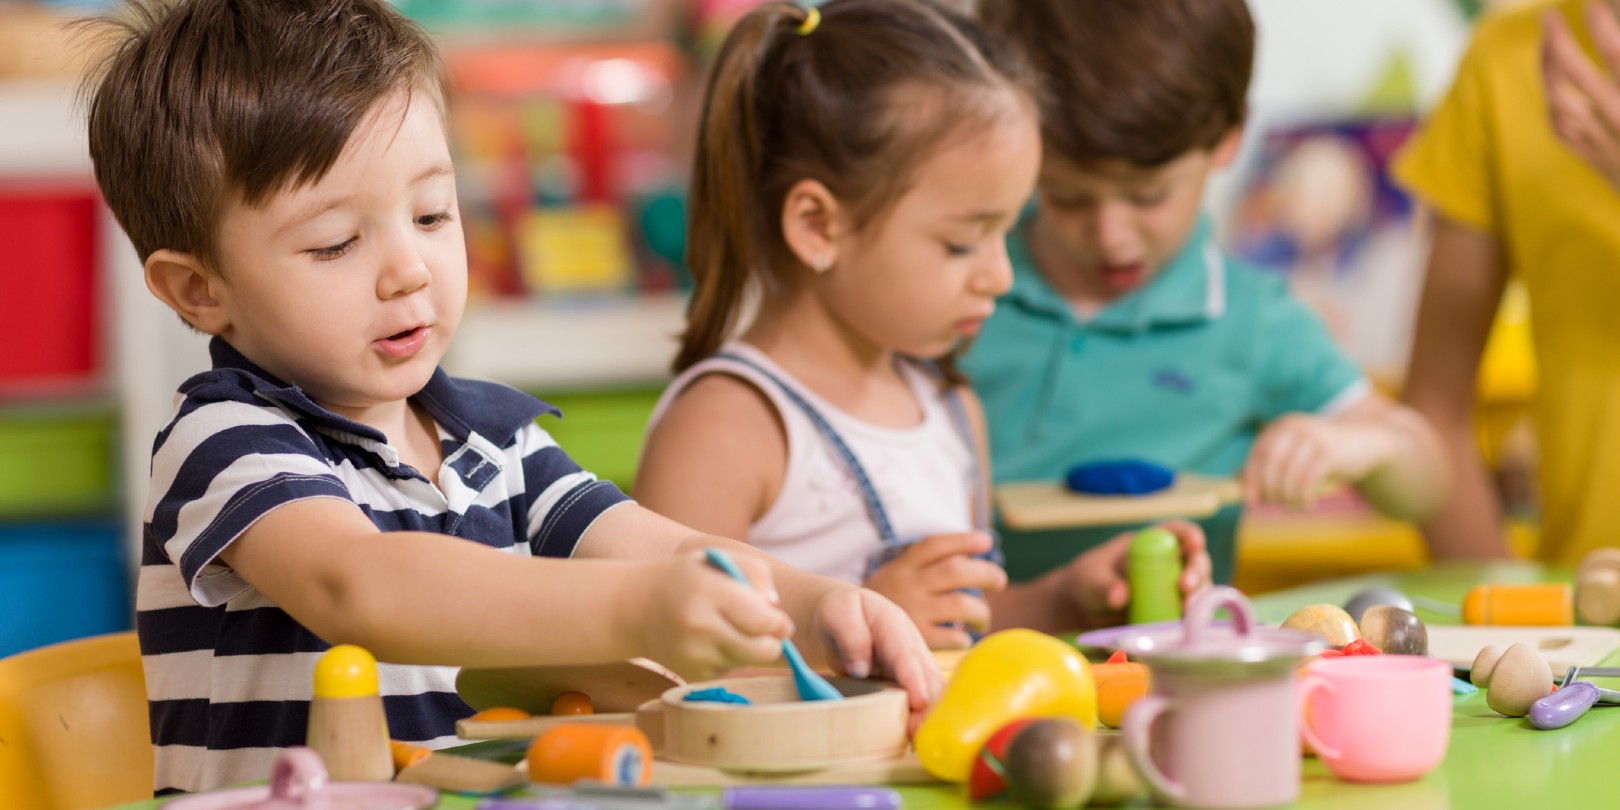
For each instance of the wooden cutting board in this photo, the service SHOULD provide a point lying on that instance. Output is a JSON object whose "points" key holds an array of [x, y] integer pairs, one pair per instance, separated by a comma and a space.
{"points": [[616, 687], [1030, 505], [1563, 647]]}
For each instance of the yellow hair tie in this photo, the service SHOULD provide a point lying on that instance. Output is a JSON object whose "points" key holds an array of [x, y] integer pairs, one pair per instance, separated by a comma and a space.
{"points": [[812, 18]]}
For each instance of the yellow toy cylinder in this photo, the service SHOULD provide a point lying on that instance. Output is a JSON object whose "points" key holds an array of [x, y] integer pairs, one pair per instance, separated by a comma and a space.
{"points": [[1548, 604]]}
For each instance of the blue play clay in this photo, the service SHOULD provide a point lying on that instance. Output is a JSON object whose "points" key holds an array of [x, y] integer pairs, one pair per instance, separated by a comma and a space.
{"points": [[1119, 477], [717, 694]]}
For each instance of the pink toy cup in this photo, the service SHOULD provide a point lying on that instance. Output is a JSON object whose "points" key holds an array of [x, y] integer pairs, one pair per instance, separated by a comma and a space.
{"points": [[1221, 728], [1377, 718]]}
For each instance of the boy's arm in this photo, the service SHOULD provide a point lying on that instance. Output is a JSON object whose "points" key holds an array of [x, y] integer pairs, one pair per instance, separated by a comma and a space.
{"points": [[1466, 276], [425, 598]]}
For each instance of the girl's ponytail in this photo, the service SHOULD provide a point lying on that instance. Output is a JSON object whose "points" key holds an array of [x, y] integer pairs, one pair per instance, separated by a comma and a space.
{"points": [[725, 220]]}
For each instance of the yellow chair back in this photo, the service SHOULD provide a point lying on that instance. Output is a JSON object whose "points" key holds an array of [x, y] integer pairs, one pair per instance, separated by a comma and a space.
{"points": [[73, 726]]}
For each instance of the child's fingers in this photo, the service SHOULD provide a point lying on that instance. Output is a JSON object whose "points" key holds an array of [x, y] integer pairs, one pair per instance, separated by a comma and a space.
{"points": [[932, 549], [1272, 468], [847, 634], [960, 571], [945, 637], [1296, 468], [747, 615], [759, 574], [1195, 572], [957, 606], [1119, 595], [1190, 535]]}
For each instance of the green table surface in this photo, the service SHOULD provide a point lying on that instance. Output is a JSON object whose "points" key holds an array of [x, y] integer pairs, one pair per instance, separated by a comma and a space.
{"points": [[1492, 761]]}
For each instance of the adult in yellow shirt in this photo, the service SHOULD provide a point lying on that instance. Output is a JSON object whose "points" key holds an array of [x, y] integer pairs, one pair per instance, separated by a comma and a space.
{"points": [[1513, 201]]}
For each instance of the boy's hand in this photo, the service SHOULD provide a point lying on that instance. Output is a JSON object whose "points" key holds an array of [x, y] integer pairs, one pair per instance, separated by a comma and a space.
{"points": [[700, 622], [927, 579], [1298, 456], [866, 634], [1097, 578]]}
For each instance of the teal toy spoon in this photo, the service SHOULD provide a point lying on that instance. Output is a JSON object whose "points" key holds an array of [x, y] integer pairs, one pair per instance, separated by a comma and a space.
{"points": [[811, 685]]}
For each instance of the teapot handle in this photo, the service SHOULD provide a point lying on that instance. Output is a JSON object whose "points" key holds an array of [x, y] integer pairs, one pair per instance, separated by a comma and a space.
{"points": [[1202, 606]]}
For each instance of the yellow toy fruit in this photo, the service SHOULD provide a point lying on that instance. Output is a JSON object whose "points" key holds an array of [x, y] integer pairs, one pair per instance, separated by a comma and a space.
{"points": [[1008, 675]]}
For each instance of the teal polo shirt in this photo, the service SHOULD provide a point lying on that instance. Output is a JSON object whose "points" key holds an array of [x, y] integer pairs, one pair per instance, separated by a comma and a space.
{"points": [[1184, 372]]}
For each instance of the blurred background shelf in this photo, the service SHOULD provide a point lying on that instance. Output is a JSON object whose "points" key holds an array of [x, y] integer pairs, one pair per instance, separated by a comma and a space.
{"points": [[541, 346]]}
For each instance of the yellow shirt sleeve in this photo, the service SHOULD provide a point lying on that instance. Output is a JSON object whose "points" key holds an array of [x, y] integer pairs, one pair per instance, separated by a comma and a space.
{"points": [[1448, 163]]}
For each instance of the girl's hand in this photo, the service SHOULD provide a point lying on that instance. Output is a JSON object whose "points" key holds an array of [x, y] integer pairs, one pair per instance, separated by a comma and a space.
{"points": [[1298, 456], [699, 622], [866, 634], [1097, 579], [927, 582]]}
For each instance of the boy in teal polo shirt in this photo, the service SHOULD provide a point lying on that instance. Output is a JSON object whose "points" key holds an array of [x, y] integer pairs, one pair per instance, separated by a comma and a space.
{"points": [[1128, 333]]}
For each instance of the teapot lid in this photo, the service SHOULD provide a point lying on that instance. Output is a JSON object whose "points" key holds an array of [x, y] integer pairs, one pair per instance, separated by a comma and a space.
{"points": [[1200, 645], [298, 782]]}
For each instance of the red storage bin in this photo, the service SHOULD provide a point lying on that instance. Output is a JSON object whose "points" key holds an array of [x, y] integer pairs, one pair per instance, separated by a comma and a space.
{"points": [[50, 301]]}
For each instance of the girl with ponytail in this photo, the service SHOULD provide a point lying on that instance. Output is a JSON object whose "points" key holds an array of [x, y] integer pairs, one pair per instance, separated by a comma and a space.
{"points": [[858, 167]]}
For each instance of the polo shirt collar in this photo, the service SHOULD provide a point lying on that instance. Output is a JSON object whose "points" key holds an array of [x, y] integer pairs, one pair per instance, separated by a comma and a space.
{"points": [[462, 407], [1191, 289]]}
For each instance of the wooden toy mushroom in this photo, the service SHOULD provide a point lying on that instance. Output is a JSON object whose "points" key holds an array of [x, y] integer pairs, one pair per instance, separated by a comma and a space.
{"points": [[1512, 679]]}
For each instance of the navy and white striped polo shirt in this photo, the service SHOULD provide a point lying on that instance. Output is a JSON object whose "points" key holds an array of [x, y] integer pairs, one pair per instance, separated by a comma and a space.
{"points": [[228, 674]]}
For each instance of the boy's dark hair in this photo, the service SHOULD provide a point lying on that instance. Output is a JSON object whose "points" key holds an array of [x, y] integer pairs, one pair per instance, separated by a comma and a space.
{"points": [[200, 100], [1142, 81], [855, 95]]}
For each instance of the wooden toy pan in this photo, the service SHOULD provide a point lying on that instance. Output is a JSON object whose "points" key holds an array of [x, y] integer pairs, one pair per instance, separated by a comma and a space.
{"points": [[1030, 505], [776, 732], [615, 687]]}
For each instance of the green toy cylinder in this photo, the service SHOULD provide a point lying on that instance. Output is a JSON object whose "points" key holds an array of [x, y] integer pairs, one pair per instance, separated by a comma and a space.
{"points": [[1153, 570]]}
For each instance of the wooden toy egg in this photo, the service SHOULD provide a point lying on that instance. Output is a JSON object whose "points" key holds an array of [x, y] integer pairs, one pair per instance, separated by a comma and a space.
{"points": [[1395, 630], [1052, 764], [1520, 678], [1328, 622], [1117, 780], [1376, 595]]}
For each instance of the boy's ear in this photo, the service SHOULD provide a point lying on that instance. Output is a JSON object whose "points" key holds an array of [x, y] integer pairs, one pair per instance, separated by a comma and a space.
{"points": [[812, 222], [180, 280], [1227, 147]]}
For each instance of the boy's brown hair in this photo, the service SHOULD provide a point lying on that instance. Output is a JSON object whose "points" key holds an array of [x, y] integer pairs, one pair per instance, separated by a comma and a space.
{"points": [[201, 102], [854, 94], [1140, 81]]}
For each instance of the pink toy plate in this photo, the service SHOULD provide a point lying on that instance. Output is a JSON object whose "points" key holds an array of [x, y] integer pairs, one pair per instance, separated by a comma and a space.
{"points": [[298, 782]]}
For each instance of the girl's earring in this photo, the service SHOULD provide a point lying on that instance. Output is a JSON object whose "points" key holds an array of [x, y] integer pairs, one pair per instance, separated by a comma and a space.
{"points": [[823, 264]]}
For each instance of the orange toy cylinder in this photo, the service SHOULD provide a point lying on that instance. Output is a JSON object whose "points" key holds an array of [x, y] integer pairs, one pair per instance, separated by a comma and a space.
{"points": [[1538, 605], [613, 755]]}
